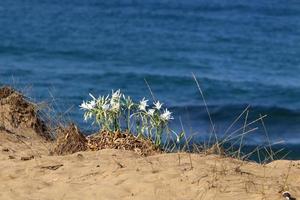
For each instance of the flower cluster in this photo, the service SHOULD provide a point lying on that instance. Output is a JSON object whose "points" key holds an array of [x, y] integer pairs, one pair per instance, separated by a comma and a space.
{"points": [[112, 112]]}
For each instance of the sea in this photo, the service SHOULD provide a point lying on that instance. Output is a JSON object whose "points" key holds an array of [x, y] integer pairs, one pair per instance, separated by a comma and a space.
{"points": [[242, 53]]}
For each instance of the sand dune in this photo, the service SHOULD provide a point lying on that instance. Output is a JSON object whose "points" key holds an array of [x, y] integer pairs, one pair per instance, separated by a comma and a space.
{"points": [[117, 174], [28, 171]]}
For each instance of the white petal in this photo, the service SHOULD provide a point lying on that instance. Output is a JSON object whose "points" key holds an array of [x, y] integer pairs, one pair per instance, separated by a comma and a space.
{"points": [[92, 96]]}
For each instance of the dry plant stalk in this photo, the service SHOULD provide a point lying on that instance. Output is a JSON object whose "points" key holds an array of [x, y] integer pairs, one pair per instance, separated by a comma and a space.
{"points": [[70, 140]]}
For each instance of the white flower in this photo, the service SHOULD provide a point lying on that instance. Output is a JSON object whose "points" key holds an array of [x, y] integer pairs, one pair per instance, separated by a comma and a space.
{"points": [[143, 104], [128, 102], [115, 101], [88, 116], [92, 96], [92, 104], [105, 107], [116, 95], [129, 105], [177, 139], [158, 105], [166, 116], [85, 117], [83, 105], [87, 105], [151, 112]]}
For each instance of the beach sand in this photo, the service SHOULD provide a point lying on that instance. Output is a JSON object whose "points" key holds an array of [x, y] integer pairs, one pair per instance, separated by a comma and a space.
{"points": [[27, 171]]}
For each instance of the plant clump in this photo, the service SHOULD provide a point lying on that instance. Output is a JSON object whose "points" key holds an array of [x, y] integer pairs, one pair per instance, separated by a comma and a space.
{"points": [[119, 113], [71, 140]]}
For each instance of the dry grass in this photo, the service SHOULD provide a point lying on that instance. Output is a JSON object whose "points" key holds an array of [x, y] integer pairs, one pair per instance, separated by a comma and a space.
{"points": [[69, 140], [232, 143]]}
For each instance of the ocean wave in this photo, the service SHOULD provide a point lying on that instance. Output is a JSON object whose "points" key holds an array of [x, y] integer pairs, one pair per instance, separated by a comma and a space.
{"points": [[224, 112], [173, 77], [46, 53]]}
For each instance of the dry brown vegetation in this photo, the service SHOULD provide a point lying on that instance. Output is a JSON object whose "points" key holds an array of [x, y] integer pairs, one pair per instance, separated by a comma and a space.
{"points": [[71, 140], [122, 141]]}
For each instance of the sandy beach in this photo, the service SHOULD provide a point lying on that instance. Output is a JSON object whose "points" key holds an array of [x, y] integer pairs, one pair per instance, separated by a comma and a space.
{"points": [[29, 172]]}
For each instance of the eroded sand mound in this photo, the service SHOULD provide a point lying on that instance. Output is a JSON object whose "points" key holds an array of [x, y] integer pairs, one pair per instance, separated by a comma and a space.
{"points": [[18, 115]]}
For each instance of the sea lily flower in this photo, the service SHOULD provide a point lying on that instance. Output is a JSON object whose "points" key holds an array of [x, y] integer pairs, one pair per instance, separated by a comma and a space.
{"points": [[143, 104], [94, 98], [115, 100], [84, 106], [116, 95], [105, 107], [158, 105], [129, 105], [92, 104], [177, 139], [166, 116], [87, 105], [110, 112], [128, 102], [87, 116], [151, 112]]}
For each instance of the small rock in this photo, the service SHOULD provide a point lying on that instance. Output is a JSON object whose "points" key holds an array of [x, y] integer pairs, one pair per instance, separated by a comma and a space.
{"points": [[79, 155], [52, 167], [25, 158]]}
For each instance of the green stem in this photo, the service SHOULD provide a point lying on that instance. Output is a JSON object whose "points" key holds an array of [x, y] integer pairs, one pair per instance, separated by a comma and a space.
{"points": [[128, 120]]}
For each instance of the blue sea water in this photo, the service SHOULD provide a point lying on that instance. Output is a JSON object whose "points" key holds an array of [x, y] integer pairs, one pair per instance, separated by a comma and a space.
{"points": [[242, 52]]}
